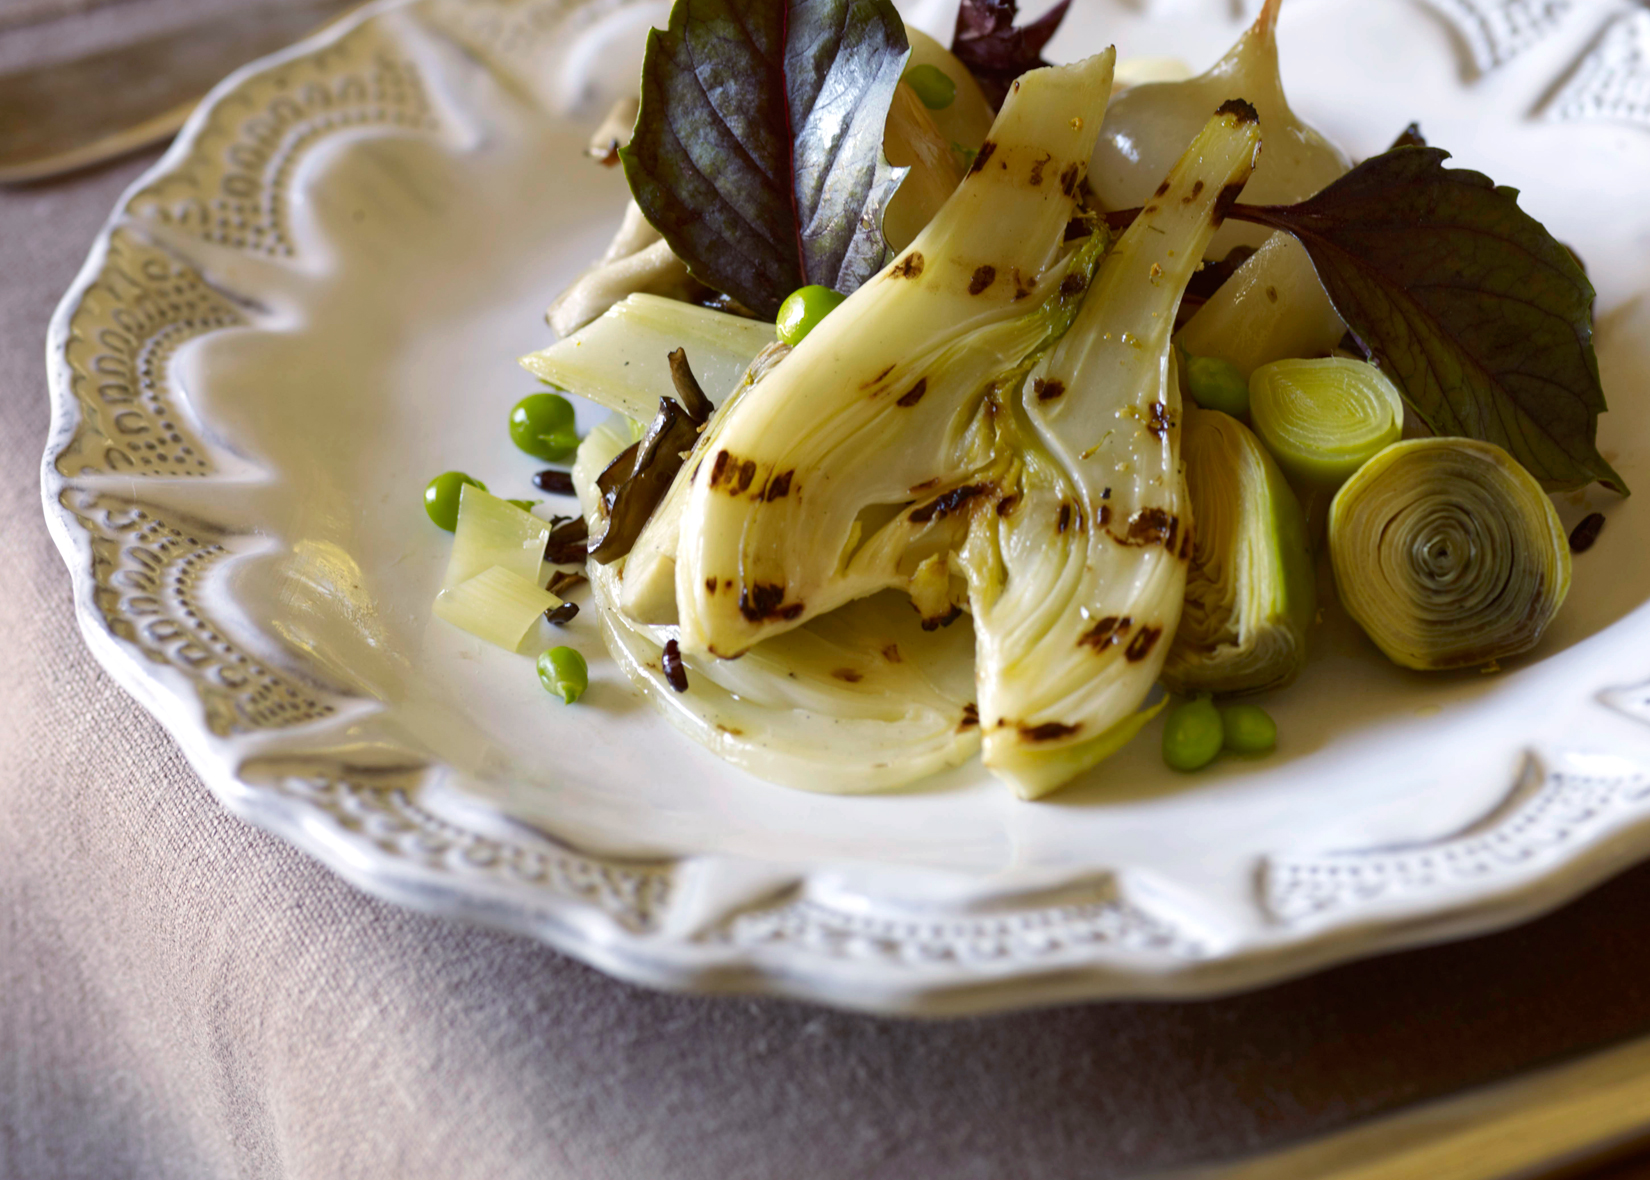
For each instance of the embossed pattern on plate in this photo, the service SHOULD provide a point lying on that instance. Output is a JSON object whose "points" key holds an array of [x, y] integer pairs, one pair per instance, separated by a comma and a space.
{"points": [[350, 232]]}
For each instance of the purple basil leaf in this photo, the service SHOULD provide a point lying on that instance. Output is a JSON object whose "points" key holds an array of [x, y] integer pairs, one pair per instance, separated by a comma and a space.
{"points": [[996, 52], [1479, 315], [758, 148]]}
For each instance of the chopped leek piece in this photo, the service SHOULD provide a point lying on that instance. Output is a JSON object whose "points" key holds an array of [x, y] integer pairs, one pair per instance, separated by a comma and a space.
{"points": [[1249, 593], [1323, 419], [621, 359], [496, 605], [493, 532], [1448, 553]]}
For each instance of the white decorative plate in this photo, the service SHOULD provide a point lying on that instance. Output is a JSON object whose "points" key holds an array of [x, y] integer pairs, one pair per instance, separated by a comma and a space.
{"points": [[315, 301]]}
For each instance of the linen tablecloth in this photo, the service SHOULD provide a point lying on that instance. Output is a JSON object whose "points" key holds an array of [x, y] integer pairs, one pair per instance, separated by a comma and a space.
{"points": [[184, 996]]}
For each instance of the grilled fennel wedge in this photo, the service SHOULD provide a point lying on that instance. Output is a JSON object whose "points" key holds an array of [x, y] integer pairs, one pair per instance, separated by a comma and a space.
{"points": [[860, 700], [843, 471], [1078, 573]]}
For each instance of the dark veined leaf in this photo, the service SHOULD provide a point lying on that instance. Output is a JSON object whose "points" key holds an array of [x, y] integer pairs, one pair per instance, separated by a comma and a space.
{"points": [[996, 52], [639, 476], [758, 147], [1479, 315]]}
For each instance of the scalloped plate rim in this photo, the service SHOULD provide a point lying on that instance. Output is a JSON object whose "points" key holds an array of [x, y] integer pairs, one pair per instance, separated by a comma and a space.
{"points": [[665, 961]]}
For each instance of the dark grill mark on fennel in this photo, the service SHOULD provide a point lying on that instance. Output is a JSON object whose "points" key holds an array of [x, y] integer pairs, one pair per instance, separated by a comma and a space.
{"points": [[1159, 423], [1150, 526], [944, 620], [710, 585], [747, 472], [848, 675], [780, 486], [877, 380], [718, 467], [985, 151], [945, 505], [1105, 514], [891, 653], [671, 662], [765, 600], [1065, 518], [1142, 643], [1161, 189], [1048, 390], [1236, 106], [1072, 285], [1108, 631], [1037, 169], [1070, 178], [1197, 191], [1047, 732], [984, 276], [908, 267], [914, 395], [1008, 504], [1223, 203], [970, 717], [561, 615]]}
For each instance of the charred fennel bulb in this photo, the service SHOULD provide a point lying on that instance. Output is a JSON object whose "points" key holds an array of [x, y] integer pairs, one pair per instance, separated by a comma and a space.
{"points": [[1448, 553], [803, 499], [861, 700], [1249, 592], [1077, 576], [902, 444]]}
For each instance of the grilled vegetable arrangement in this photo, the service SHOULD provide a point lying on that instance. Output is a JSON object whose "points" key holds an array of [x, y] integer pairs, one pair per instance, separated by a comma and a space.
{"points": [[900, 469]]}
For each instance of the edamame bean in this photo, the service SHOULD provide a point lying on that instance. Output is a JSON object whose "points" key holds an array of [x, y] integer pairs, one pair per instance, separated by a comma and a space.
{"points": [[802, 311], [1248, 729], [564, 673], [932, 85], [1192, 735], [542, 425], [1217, 385], [441, 497]]}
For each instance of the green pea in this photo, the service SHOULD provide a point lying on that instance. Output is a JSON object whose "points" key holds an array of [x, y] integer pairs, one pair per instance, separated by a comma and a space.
{"points": [[1192, 735], [441, 497], [564, 673], [542, 425], [802, 311], [1217, 385], [933, 86], [1248, 729]]}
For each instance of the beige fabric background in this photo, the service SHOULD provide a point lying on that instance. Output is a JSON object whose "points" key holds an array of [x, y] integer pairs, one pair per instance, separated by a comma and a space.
{"points": [[183, 996]]}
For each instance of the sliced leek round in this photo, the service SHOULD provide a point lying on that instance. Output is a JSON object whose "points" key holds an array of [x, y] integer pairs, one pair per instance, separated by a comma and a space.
{"points": [[1448, 553], [1323, 419], [1249, 591]]}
